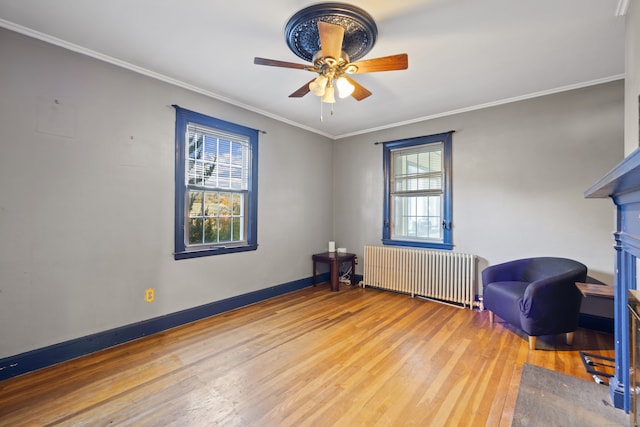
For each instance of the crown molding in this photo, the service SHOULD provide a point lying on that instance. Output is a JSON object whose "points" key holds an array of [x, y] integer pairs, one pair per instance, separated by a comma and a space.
{"points": [[622, 8], [140, 70]]}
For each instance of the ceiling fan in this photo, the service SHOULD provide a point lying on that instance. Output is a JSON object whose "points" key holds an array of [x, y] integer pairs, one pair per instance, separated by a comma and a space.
{"points": [[331, 36]]}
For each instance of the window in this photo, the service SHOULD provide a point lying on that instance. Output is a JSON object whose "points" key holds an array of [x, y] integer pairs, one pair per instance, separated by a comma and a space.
{"points": [[417, 192], [216, 186]]}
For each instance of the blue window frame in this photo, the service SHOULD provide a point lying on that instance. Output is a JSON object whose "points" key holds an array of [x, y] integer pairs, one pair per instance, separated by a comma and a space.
{"points": [[417, 207], [216, 186]]}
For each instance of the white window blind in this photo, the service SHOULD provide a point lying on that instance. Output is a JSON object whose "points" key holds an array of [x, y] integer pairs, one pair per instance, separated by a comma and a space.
{"points": [[417, 169], [216, 159]]}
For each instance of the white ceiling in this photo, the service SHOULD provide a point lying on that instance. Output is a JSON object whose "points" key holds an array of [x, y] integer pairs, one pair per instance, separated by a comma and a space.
{"points": [[463, 54]]}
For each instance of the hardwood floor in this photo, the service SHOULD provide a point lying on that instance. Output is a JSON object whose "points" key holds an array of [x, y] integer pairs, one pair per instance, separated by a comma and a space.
{"points": [[358, 357]]}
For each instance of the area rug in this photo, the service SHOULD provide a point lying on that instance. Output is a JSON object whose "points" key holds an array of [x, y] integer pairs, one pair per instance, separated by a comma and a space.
{"points": [[547, 398]]}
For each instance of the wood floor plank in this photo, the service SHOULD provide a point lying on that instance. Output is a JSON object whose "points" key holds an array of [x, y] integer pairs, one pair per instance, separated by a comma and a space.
{"points": [[358, 357]]}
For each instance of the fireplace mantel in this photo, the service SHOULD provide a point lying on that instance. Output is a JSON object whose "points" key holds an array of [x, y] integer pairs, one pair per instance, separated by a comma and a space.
{"points": [[622, 185]]}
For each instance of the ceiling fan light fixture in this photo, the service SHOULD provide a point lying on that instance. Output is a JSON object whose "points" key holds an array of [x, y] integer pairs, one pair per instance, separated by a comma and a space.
{"points": [[318, 86], [345, 88], [329, 97]]}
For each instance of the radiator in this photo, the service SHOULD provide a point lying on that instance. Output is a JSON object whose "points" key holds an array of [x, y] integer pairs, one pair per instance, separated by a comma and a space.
{"points": [[440, 275]]}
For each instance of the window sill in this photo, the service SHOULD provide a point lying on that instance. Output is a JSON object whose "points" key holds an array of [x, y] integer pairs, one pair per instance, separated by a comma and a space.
{"points": [[213, 251], [414, 244]]}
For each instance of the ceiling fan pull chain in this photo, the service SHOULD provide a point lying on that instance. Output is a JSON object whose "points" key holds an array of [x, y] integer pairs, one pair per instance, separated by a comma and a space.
{"points": [[321, 117]]}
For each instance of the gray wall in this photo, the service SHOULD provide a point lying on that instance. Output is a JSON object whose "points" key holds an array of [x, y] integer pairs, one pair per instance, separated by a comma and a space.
{"points": [[86, 192], [519, 174], [87, 199], [632, 78]]}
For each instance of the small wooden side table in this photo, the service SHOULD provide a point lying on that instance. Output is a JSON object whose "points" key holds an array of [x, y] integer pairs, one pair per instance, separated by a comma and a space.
{"points": [[334, 259], [595, 290]]}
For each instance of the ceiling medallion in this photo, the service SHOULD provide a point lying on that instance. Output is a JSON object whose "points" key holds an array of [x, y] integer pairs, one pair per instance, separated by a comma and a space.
{"points": [[360, 30]]}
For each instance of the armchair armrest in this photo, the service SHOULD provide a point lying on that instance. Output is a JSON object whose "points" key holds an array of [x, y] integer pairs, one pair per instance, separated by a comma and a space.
{"points": [[551, 304]]}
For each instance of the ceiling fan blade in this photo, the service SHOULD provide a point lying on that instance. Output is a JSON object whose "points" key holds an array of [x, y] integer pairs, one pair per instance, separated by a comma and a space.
{"points": [[386, 63], [331, 36], [302, 91], [360, 92], [276, 63]]}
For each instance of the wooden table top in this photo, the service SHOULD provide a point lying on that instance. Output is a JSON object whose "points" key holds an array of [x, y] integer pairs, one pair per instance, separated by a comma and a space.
{"points": [[595, 290]]}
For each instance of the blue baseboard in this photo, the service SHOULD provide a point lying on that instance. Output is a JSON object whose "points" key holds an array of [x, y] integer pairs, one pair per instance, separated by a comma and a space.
{"points": [[40, 358]]}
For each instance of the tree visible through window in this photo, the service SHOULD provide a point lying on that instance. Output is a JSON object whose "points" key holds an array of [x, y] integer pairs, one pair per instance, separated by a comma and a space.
{"points": [[216, 186], [417, 206]]}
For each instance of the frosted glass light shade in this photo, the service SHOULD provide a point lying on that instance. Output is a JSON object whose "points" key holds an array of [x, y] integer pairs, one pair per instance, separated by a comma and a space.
{"points": [[318, 86], [344, 87], [328, 96]]}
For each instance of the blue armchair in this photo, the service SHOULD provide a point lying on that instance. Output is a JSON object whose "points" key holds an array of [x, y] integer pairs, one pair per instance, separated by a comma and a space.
{"points": [[537, 295]]}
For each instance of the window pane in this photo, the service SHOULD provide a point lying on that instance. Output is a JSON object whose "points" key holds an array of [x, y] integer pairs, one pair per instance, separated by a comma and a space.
{"points": [[237, 229], [225, 204], [237, 206], [236, 175], [223, 176], [400, 226], [411, 164], [423, 162], [191, 176], [435, 161], [195, 203], [224, 229], [224, 149], [435, 207], [237, 156], [224, 170], [435, 228], [208, 174], [210, 230], [195, 146], [423, 227], [211, 204], [417, 217], [210, 150], [401, 211], [399, 167], [422, 206], [411, 225], [195, 231]]}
